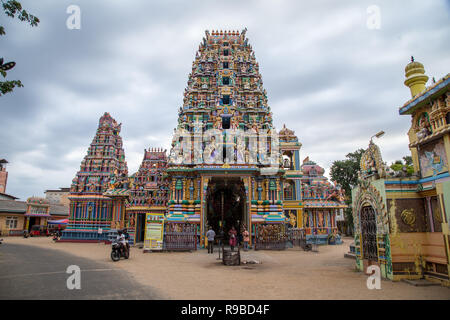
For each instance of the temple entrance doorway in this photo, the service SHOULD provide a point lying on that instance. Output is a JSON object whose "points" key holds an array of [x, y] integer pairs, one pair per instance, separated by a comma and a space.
{"points": [[140, 227], [33, 221], [226, 205]]}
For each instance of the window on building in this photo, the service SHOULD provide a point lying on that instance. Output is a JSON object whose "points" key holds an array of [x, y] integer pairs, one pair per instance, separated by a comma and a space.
{"points": [[288, 192], [225, 52], [226, 81], [11, 222], [447, 118], [225, 65], [226, 122], [226, 99]]}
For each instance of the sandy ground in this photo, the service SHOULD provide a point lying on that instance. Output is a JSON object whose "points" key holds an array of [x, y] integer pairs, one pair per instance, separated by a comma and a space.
{"points": [[289, 274]]}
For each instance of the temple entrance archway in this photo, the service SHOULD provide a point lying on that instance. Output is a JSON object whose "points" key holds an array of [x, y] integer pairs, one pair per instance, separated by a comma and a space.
{"points": [[226, 205]]}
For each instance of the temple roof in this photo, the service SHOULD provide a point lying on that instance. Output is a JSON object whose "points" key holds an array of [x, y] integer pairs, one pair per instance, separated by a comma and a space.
{"points": [[120, 192], [155, 154], [436, 89], [287, 135], [38, 201], [4, 196], [308, 167], [107, 121], [320, 203], [13, 206]]}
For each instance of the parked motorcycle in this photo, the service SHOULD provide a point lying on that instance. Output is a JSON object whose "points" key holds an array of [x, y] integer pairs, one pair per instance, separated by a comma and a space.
{"points": [[118, 251], [1, 241]]}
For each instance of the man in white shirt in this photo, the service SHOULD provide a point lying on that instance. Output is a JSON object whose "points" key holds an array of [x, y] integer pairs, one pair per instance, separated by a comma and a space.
{"points": [[210, 235], [121, 239]]}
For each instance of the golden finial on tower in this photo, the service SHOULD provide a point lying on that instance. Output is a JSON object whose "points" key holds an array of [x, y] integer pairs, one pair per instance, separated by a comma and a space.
{"points": [[415, 77]]}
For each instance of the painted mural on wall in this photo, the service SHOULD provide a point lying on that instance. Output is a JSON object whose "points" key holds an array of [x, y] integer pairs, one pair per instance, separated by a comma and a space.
{"points": [[433, 160]]}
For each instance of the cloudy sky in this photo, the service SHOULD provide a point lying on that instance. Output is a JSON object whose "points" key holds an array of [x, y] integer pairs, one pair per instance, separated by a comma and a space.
{"points": [[328, 76]]}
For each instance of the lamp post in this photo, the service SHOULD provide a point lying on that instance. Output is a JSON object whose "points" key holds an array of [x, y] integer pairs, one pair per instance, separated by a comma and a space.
{"points": [[377, 135]]}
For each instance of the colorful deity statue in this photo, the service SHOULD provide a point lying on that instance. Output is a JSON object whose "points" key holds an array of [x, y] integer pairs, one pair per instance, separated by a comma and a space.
{"points": [[218, 122], [235, 122], [424, 127]]}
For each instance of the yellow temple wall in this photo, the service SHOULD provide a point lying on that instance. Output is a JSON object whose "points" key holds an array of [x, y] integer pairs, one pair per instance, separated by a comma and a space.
{"points": [[417, 248]]}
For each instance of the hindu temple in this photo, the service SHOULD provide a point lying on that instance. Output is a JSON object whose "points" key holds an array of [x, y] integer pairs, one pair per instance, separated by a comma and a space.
{"points": [[227, 167]]}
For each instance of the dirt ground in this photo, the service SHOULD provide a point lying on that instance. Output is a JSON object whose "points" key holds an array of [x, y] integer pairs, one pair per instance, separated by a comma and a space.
{"points": [[289, 274]]}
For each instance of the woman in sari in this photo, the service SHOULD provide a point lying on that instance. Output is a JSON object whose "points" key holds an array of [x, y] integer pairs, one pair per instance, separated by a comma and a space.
{"points": [[233, 237]]}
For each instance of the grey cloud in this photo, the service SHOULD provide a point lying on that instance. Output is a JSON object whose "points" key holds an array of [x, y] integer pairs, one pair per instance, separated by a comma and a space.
{"points": [[328, 77]]}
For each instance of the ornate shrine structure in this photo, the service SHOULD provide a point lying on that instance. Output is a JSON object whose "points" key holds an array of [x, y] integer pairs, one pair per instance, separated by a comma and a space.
{"points": [[98, 191], [310, 201], [148, 191], [401, 221], [322, 202]]}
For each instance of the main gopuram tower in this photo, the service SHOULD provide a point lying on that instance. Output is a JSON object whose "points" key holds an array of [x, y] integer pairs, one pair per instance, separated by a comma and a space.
{"points": [[224, 165]]}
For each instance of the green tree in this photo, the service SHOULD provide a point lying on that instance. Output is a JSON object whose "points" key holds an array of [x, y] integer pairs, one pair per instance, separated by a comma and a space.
{"points": [[345, 173], [13, 9], [398, 165], [408, 160]]}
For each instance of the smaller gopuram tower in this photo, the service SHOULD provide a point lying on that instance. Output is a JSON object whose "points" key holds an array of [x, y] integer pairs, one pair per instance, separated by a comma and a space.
{"points": [[148, 191], [322, 202], [96, 194]]}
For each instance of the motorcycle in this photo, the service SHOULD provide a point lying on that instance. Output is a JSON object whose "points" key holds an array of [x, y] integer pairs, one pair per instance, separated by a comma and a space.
{"points": [[118, 251], [1, 241], [56, 236]]}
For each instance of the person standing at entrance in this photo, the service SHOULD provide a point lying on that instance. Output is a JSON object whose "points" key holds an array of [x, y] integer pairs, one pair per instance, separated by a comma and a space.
{"points": [[233, 237], [210, 235], [246, 236]]}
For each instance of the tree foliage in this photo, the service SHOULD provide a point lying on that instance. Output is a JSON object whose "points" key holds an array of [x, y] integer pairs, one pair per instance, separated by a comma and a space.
{"points": [[13, 9], [345, 173], [403, 166]]}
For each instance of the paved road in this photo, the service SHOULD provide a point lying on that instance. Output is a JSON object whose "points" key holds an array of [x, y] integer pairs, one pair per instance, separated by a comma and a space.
{"points": [[28, 272]]}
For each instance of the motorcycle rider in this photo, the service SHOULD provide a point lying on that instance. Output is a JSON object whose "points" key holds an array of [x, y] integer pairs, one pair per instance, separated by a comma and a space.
{"points": [[122, 240]]}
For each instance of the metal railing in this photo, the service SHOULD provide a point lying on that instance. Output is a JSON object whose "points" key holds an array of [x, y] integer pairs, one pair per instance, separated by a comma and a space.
{"points": [[180, 237]]}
